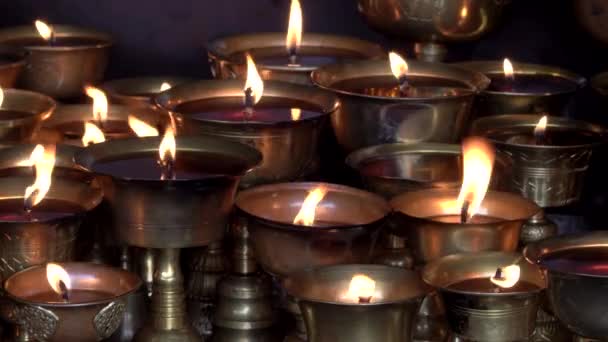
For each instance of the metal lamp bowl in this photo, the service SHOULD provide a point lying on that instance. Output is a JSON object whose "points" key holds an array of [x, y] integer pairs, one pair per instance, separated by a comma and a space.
{"points": [[551, 176], [491, 102], [282, 247], [329, 318], [430, 240], [139, 91], [11, 157], [59, 127], [599, 83], [393, 169], [289, 148], [364, 120], [12, 61], [178, 213], [60, 71], [227, 55], [24, 244], [578, 300], [89, 321], [21, 129], [482, 316]]}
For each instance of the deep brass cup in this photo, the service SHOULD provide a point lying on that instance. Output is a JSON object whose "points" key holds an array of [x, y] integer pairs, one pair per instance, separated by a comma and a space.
{"points": [[493, 102], [576, 299], [227, 55], [89, 321], [550, 175], [353, 220], [377, 114], [407, 167], [139, 91], [60, 71], [12, 61], [329, 318], [431, 23], [482, 316], [33, 109], [289, 148], [430, 239]]}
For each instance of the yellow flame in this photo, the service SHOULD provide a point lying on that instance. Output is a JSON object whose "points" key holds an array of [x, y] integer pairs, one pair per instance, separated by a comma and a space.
{"points": [[507, 68], [36, 154], [167, 148], [1, 96], [165, 86], [478, 161], [464, 12], [399, 66], [141, 128], [306, 215], [361, 286], [43, 159], [100, 103], [254, 81], [294, 30], [55, 274], [296, 113], [509, 277], [92, 134], [45, 31], [541, 126]]}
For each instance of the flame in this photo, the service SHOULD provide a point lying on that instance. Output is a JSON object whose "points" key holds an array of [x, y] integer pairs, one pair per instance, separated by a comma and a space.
{"points": [[165, 86], [45, 31], [92, 134], [478, 161], [1, 96], [361, 286], [306, 215], [294, 30], [296, 113], [141, 128], [541, 126], [56, 274], [43, 159], [167, 145], [398, 65], [100, 103], [509, 276], [464, 12], [254, 81], [507, 68], [36, 154]]}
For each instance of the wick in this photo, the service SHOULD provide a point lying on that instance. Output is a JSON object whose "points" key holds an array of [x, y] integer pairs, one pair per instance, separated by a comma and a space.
{"points": [[293, 57], [498, 276], [248, 104], [510, 79], [167, 168], [365, 300], [65, 293], [539, 138], [464, 211], [404, 86]]}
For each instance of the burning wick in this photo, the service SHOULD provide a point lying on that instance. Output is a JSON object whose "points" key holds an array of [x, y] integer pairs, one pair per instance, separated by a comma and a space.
{"points": [[43, 160], [400, 69], [59, 280], [362, 288], [464, 211], [65, 293], [166, 152], [248, 103], [507, 68], [539, 131], [45, 31], [254, 87], [294, 32], [506, 277]]}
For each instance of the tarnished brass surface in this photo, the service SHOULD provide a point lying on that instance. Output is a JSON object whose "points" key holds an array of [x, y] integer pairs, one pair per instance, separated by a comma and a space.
{"points": [[481, 316], [89, 321], [353, 218], [35, 107], [61, 71], [378, 117], [430, 240], [227, 55], [178, 214], [289, 148], [550, 175], [409, 167], [12, 61], [139, 91], [577, 300], [492, 102], [388, 318]]}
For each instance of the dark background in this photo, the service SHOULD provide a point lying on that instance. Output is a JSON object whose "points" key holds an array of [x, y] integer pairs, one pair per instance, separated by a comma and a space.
{"points": [[164, 37]]}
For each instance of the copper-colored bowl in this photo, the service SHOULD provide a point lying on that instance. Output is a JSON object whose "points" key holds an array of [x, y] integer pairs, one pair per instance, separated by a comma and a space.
{"points": [[12, 61], [22, 113], [139, 91]]}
